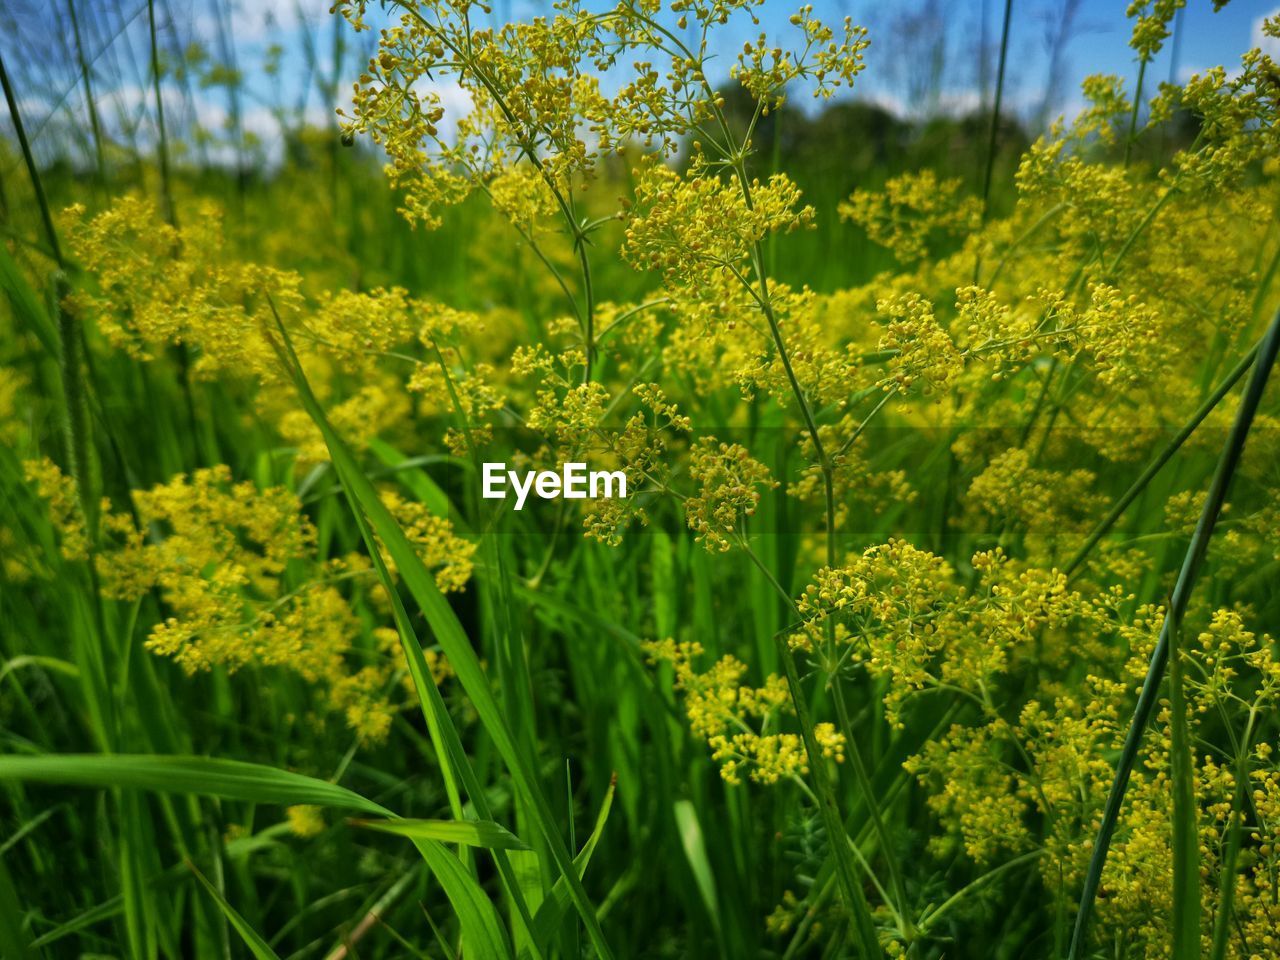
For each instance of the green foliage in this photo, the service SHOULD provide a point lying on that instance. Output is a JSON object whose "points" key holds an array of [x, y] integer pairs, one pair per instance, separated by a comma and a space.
{"points": [[872, 659]]}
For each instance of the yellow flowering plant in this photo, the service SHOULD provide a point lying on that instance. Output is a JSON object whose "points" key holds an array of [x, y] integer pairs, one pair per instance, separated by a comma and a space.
{"points": [[926, 625]]}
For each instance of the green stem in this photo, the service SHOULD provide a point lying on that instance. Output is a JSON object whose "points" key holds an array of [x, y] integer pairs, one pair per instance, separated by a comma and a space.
{"points": [[927, 923], [1133, 114], [995, 111], [1186, 834], [846, 869], [94, 123], [162, 145], [1227, 869], [30, 161], [1163, 457], [76, 399], [994, 130], [863, 779], [1191, 564]]}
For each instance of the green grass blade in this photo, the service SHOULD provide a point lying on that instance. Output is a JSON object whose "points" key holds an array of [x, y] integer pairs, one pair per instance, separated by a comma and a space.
{"points": [[13, 939], [204, 776], [95, 914], [418, 482], [695, 851], [553, 908], [1186, 836], [15, 116], [1195, 555], [25, 302], [1227, 868], [483, 934], [444, 735], [453, 640], [471, 833], [257, 946]]}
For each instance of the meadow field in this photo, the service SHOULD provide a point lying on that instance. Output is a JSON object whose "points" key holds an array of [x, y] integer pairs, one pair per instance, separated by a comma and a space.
{"points": [[939, 617]]}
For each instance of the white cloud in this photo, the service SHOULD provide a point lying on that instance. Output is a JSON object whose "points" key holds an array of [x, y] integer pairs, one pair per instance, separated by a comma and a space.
{"points": [[253, 20], [1268, 45]]}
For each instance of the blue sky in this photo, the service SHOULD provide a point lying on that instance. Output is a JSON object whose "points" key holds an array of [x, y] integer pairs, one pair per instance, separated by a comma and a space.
{"points": [[926, 55], [1097, 43]]}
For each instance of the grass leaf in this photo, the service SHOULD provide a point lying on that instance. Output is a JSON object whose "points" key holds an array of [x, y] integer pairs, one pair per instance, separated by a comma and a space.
{"points": [[695, 851], [25, 302], [204, 776], [1191, 564], [257, 946], [1186, 836], [483, 934], [471, 833], [553, 908], [453, 640]]}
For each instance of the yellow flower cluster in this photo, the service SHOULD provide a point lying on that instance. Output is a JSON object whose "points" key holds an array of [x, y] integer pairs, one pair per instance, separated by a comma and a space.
{"points": [[733, 717], [1151, 24], [535, 95], [766, 71], [304, 820], [690, 227], [922, 352], [158, 285], [728, 480], [1038, 500], [912, 210], [235, 567], [445, 554], [63, 503]]}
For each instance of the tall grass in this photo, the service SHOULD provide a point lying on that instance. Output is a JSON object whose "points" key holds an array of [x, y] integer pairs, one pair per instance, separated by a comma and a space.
{"points": [[548, 798]]}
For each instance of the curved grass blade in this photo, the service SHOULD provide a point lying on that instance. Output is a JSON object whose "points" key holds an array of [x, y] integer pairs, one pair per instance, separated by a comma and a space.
{"points": [[470, 833], [205, 776], [453, 639], [444, 736], [1177, 607], [13, 939], [33, 171], [1164, 456], [695, 852], [553, 908], [257, 946], [483, 934], [26, 304]]}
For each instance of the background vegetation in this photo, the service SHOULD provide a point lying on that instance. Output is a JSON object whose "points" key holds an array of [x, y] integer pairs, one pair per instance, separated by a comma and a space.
{"points": [[241, 400]]}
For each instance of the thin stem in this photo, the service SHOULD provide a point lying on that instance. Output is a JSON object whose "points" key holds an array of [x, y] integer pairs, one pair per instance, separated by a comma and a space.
{"points": [[995, 111], [30, 161], [162, 146], [977, 884], [1191, 564], [1133, 114], [1227, 868], [1163, 457], [94, 123], [867, 789], [629, 314], [837, 838]]}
